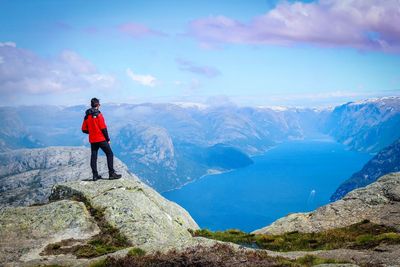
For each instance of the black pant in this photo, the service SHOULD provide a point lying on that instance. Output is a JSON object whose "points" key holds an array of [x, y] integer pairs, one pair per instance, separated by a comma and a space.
{"points": [[109, 154]]}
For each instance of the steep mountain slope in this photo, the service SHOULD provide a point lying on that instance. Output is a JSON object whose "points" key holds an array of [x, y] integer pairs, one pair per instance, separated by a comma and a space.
{"points": [[368, 125], [386, 161], [379, 203]]}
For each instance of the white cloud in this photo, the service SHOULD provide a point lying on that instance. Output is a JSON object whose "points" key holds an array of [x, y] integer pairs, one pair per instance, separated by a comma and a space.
{"points": [[187, 65], [146, 80], [24, 72], [361, 24], [178, 83], [12, 44], [77, 63], [104, 80]]}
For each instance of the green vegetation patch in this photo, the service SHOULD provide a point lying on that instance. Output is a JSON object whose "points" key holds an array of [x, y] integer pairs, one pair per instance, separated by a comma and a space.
{"points": [[362, 235], [107, 241], [136, 252], [99, 263], [311, 260], [216, 255]]}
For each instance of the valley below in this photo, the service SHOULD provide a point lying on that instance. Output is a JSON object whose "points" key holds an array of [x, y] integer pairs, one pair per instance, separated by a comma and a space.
{"points": [[294, 176], [299, 186]]}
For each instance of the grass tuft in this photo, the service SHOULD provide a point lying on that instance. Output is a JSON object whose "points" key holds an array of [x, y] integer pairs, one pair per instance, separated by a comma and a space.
{"points": [[136, 252], [357, 236]]}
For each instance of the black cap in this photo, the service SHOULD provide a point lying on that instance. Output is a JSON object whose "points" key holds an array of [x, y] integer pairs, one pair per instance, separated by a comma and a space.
{"points": [[94, 102]]}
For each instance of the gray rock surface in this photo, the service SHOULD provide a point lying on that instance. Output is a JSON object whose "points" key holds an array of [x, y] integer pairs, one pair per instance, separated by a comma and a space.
{"points": [[384, 255], [379, 202], [25, 231], [27, 175], [146, 218], [140, 213]]}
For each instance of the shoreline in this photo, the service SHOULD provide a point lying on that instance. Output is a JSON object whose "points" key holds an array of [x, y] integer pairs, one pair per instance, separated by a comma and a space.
{"points": [[253, 156], [216, 172]]}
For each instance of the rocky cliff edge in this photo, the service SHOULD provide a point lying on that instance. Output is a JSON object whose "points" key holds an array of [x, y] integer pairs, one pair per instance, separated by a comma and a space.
{"points": [[379, 203]]}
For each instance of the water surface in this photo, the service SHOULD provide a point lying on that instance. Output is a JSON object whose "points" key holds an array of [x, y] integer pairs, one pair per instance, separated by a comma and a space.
{"points": [[292, 177]]}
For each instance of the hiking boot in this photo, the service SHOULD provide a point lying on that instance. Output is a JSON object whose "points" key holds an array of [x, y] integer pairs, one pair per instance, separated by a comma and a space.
{"points": [[96, 177], [114, 176]]}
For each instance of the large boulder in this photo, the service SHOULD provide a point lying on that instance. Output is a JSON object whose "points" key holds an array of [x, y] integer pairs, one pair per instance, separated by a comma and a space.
{"points": [[379, 203], [26, 231], [146, 218]]}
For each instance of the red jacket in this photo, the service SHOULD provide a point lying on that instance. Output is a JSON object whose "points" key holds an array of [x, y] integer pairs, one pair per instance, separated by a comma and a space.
{"points": [[94, 125]]}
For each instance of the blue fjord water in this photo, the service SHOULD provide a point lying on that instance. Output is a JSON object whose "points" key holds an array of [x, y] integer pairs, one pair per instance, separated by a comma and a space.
{"points": [[295, 176]]}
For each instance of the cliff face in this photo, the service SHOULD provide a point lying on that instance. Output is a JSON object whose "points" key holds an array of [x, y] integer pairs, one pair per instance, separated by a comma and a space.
{"points": [[368, 125], [386, 161], [379, 202]]}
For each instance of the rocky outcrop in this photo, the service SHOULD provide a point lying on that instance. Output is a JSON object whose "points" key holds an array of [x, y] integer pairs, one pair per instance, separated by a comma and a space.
{"points": [[136, 211], [146, 218], [379, 202], [27, 175], [386, 161], [25, 231]]}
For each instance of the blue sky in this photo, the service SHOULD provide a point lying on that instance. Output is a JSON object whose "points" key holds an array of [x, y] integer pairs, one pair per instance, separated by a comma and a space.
{"points": [[248, 52]]}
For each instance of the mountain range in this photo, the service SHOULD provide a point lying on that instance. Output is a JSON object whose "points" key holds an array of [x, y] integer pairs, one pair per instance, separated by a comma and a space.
{"points": [[170, 144]]}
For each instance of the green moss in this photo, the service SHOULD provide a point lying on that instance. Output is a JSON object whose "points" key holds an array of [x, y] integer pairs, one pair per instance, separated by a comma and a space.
{"points": [[360, 235], [231, 235], [311, 260], [136, 252], [392, 238], [99, 263], [371, 241], [365, 239]]}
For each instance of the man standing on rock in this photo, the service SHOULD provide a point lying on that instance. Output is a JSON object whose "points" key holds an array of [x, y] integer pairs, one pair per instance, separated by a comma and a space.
{"points": [[94, 125]]}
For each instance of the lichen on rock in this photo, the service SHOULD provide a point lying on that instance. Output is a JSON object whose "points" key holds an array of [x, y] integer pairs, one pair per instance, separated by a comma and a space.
{"points": [[147, 219], [26, 231]]}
